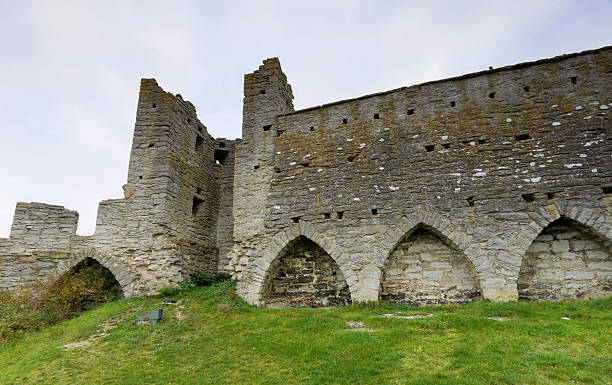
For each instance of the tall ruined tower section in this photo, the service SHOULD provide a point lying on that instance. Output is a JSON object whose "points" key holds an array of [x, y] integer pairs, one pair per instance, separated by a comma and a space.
{"points": [[266, 95]]}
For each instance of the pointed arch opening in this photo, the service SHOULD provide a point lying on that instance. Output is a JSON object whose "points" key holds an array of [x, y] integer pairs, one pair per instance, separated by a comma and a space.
{"points": [[425, 268], [86, 285], [567, 260], [304, 275]]}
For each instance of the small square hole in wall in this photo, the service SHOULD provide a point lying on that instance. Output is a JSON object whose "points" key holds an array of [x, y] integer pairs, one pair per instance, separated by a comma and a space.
{"points": [[526, 88], [344, 121], [452, 104], [340, 214], [523, 137], [470, 201], [139, 176], [430, 147], [279, 132], [446, 145], [154, 105], [374, 211], [574, 79], [198, 191], [550, 195], [267, 127], [220, 156], [295, 219], [376, 116], [262, 92], [492, 95], [529, 197], [326, 215], [277, 170], [410, 111], [607, 189], [350, 158], [151, 145], [199, 141], [482, 141], [197, 205], [256, 167], [311, 128]]}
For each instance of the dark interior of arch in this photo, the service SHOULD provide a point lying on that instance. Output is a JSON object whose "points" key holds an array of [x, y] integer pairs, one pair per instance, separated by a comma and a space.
{"points": [[425, 269], [566, 261], [304, 275], [86, 285]]}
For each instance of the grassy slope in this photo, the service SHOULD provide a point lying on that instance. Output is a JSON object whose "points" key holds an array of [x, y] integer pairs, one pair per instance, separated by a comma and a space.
{"points": [[223, 340]]}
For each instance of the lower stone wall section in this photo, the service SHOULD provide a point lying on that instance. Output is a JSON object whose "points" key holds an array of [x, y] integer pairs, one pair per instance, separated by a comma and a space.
{"points": [[566, 261], [423, 269], [305, 276]]}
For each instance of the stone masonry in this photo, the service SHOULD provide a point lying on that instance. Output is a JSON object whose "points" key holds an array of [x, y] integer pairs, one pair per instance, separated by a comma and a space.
{"points": [[494, 185]]}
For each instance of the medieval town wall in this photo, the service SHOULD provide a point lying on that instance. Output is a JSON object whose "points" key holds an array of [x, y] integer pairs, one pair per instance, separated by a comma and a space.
{"points": [[485, 160]]}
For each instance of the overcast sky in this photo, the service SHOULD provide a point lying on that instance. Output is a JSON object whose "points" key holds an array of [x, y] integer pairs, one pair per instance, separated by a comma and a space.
{"points": [[70, 70]]}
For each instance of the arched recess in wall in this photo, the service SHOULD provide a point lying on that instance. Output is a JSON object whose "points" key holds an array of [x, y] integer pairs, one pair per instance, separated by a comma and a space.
{"points": [[425, 267], [118, 269], [94, 275], [304, 275], [566, 260]]}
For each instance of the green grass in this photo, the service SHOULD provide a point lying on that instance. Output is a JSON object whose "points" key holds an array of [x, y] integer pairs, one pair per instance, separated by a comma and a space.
{"points": [[223, 340]]}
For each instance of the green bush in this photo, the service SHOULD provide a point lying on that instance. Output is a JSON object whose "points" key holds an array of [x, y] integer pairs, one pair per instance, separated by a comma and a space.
{"points": [[204, 279], [53, 300]]}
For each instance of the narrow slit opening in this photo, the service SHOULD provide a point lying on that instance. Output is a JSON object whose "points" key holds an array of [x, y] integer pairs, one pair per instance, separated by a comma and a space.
{"points": [[574, 79], [522, 137]]}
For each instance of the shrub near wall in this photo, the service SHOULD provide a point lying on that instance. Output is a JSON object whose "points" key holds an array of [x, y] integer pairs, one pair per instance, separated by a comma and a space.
{"points": [[50, 301]]}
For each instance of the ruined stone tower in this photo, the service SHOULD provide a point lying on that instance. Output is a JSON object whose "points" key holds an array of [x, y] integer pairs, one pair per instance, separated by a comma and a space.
{"points": [[492, 185]]}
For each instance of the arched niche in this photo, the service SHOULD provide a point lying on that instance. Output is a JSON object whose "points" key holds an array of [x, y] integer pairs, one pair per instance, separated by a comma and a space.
{"points": [[566, 260], [426, 268], [304, 275]]}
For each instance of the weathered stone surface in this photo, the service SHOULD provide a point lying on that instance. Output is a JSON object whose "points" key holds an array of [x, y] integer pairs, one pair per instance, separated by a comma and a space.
{"points": [[424, 270], [558, 274], [486, 161], [305, 276]]}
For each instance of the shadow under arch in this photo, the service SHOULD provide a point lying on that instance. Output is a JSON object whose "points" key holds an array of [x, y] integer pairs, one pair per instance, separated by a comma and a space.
{"points": [[119, 269], [566, 260], [426, 267], [304, 275]]}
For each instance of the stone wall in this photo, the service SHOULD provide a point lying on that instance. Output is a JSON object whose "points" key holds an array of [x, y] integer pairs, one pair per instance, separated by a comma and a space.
{"points": [[487, 160], [165, 228], [566, 261], [423, 269], [326, 205], [305, 276]]}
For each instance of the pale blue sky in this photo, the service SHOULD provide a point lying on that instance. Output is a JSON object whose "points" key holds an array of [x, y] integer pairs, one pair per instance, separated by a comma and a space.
{"points": [[70, 70]]}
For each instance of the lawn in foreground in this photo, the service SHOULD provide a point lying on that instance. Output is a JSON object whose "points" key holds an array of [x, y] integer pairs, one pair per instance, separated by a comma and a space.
{"points": [[212, 337]]}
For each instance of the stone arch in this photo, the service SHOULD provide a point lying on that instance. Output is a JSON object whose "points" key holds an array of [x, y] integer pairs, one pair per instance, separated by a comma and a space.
{"points": [[594, 219], [566, 260], [258, 273], [425, 266], [304, 275], [118, 268]]}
